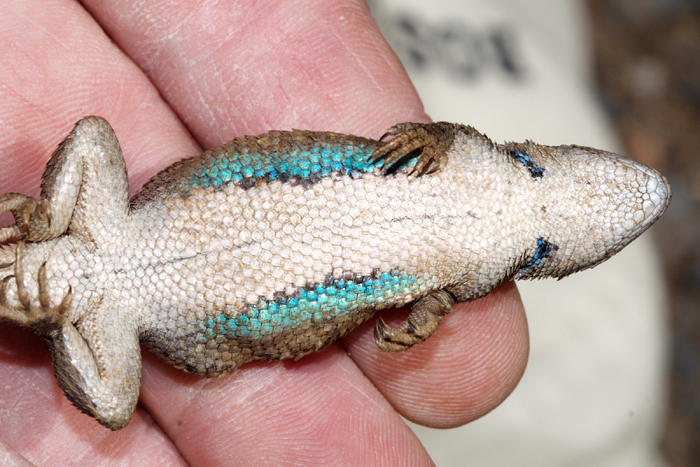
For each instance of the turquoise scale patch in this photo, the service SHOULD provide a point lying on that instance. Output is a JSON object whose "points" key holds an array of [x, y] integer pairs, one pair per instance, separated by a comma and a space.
{"points": [[315, 303], [246, 169]]}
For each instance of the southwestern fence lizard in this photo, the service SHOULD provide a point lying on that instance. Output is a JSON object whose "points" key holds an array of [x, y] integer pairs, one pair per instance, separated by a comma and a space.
{"points": [[273, 246]]}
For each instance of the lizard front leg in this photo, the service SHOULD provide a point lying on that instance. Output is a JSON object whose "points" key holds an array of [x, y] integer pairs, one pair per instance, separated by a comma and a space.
{"points": [[423, 320]]}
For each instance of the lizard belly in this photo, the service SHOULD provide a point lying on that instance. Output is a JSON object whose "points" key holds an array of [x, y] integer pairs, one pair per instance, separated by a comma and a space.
{"points": [[278, 270]]}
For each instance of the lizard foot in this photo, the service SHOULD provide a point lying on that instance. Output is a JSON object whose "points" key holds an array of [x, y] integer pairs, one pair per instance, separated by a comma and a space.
{"points": [[422, 322], [44, 318], [429, 141], [31, 219]]}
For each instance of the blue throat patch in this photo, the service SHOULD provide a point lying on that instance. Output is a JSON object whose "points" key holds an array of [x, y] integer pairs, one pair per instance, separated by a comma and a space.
{"points": [[521, 156]]}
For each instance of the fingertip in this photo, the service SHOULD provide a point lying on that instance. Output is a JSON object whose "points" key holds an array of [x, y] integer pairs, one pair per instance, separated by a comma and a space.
{"points": [[466, 369]]}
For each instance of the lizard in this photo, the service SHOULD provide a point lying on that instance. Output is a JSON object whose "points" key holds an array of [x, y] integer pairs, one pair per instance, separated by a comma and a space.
{"points": [[272, 246]]}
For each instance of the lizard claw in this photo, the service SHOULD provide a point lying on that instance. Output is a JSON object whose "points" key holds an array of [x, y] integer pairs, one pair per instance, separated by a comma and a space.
{"points": [[7, 233], [29, 218], [429, 142], [398, 339], [3, 291], [22, 293], [11, 202], [42, 318], [422, 322]]}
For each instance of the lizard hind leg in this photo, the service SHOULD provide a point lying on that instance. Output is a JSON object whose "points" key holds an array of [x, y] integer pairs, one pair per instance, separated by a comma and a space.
{"points": [[423, 320], [84, 188], [97, 362]]}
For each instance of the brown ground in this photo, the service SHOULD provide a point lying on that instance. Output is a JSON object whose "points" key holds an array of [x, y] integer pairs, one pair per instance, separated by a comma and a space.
{"points": [[648, 68]]}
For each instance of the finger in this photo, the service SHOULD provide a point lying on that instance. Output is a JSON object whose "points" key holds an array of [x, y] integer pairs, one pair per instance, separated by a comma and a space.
{"points": [[404, 435], [59, 66], [464, 370], [319, 411], [56, 66], [42, 425], [239, 75], [229, 71], [300, 391]]}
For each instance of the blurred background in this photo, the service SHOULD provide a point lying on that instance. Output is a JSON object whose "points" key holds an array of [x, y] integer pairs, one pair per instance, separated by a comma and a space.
{"points": [[647, 63], [614, 371]]}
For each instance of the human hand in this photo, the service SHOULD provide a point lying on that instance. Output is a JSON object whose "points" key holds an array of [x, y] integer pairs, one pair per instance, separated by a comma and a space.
{"points": [[181, 77]]}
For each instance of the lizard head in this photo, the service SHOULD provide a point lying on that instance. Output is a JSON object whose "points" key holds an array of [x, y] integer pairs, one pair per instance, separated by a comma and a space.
{"points": [[591, 203]]}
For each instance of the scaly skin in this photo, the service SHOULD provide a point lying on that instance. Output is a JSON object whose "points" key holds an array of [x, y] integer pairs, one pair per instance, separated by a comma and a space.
{"points": [[273, 246]]}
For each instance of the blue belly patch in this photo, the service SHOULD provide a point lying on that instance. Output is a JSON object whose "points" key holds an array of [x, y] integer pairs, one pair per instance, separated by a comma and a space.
{"points": [[304, 164], [313, 305]]}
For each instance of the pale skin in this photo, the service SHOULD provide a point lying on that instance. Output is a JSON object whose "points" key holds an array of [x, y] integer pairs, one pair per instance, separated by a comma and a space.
{"points": [[220, 74]]}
